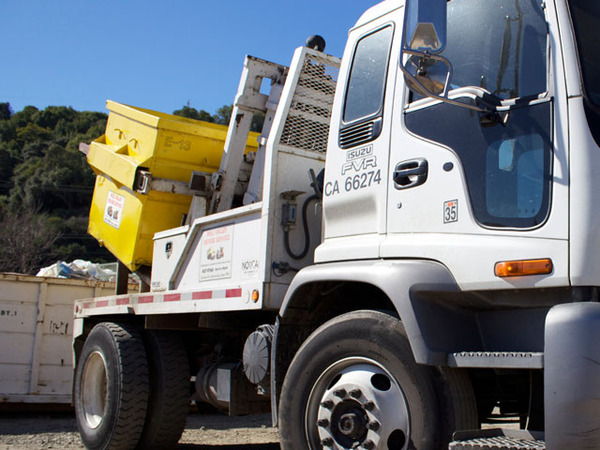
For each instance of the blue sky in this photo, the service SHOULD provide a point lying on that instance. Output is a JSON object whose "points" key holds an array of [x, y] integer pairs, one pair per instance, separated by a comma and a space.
{"points": [[157, 54]]}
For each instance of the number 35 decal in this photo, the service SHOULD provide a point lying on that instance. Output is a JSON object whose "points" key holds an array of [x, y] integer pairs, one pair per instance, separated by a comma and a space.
{"points": [[451, 211]]}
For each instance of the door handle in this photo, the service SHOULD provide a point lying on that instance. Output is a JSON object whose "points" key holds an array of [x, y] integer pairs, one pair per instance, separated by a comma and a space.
{"points": [[411, 173]]}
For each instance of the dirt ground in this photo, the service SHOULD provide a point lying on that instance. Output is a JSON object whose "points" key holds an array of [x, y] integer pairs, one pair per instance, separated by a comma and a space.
{"points": [[57, 430]]}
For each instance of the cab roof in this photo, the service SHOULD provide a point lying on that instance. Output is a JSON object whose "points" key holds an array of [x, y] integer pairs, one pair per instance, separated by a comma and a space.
{"points": [[378, 10]]}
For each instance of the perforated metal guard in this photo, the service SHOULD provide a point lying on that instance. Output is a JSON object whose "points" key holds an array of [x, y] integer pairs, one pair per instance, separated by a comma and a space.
{"points": [[307, 123], [503, 443], [497, 439]]}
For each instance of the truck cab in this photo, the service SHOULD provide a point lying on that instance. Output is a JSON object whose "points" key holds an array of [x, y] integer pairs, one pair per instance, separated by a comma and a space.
{"points": [[459, 195]]}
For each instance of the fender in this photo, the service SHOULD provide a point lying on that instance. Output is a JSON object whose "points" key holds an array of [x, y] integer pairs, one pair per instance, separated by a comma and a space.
{"points": [[410, 285]]}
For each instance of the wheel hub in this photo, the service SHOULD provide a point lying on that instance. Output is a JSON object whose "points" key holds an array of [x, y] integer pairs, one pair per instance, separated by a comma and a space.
{"points": [[352, 425], [357, 404], [349, 422], [94, 390]]}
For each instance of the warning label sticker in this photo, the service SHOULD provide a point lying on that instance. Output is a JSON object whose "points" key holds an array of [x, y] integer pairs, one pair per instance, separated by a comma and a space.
{"points": [[113, 210], [215, 253], [451, 211]]}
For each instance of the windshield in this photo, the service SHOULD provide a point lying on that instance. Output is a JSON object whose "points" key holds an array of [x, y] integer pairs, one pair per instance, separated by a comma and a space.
{"points": [[586, 21], [498, 45]]}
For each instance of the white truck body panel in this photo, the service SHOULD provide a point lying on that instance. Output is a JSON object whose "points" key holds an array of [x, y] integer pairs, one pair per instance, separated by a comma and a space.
{"points": [[585, 221], [224, 261]]}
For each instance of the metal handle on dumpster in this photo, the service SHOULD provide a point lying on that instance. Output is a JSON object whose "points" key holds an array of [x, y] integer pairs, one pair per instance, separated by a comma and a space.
{"points": [[121, 133], [136, 143]]}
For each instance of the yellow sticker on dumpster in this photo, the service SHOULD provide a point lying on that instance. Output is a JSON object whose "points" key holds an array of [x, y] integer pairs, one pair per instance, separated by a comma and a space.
{"points": [[113, 211]]}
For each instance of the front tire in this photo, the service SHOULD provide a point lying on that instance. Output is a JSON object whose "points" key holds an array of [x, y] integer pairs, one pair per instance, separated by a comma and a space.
{"points": [[355, 383], [111, 387]]}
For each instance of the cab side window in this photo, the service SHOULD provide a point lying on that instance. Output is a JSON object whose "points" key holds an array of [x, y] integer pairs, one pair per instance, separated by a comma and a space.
{"points": [[366, 88]]}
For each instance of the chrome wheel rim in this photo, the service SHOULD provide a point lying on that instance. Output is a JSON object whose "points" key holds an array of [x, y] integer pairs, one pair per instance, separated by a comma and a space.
{"points": [[357, 403], [94, 389]]}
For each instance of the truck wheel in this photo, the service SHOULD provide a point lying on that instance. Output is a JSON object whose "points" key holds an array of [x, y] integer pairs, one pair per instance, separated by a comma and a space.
{"points": [[111, 387], [457, 401], [169, 390], [354, 383]]}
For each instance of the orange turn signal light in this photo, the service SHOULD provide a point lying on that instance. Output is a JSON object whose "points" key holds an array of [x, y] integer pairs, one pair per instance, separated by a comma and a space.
{"points": [[523, 268], [255, 295]]}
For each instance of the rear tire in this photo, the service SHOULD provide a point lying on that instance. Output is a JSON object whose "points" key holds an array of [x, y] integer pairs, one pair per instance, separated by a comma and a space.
{"points": [[457, 401], [169, 391], [111, 387], [354, 382]]}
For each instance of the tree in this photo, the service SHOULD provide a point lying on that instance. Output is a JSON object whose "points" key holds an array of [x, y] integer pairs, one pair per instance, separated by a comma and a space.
{"points": [[223, 114], [5, 111], [26, 240], [33, 132], [7, 164], [59, 179], [42, 170], [25, 116], [193, 113]]}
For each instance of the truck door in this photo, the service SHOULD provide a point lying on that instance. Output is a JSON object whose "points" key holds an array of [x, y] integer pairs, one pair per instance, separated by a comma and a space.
{"points": [[357, 159], [469, 186]]}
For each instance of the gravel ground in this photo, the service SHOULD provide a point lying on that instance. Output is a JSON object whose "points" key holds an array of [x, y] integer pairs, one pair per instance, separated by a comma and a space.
{"points": [[57, 430]]}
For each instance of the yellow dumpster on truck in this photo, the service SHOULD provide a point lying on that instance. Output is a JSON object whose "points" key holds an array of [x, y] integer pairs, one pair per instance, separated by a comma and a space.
{"points": [[124, 218]]}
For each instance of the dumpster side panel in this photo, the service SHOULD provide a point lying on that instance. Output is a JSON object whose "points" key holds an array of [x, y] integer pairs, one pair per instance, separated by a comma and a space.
{"points": [[36, 326], [18, 310]]}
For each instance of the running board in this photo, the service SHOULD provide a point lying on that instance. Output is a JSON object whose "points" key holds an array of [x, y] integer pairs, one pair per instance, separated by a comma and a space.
{"points": [[497, 360], [497, 438]]}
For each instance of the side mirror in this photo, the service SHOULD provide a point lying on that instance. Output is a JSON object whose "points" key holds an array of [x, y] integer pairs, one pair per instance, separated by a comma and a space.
{"points": [[427, 75], [426, 72], [425, 26]]}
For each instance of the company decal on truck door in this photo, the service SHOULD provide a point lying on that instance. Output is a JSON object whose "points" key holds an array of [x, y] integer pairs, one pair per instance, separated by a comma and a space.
{"points": [[359, 171], [359, 159], [215, 253]]}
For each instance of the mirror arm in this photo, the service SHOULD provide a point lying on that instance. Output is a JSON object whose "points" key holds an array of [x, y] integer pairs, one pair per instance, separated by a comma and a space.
{"points": [[443, 97]]}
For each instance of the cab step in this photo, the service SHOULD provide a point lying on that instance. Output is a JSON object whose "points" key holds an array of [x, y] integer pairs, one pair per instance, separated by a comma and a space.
{"points": [[497, 360], [497, 438]]}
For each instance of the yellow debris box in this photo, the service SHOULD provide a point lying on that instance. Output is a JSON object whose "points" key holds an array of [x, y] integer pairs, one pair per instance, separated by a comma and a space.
{"points": [[170, 148]]}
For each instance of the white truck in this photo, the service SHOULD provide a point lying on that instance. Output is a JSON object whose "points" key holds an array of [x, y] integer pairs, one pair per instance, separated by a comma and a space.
{"points": [[445, 266]]}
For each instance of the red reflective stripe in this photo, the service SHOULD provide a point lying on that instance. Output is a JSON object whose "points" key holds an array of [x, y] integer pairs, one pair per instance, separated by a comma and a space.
{"points": [[172, 297], [233, 293], [87, 305], [203, 295], [101, 303], [146, 299], [123, 301]]}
